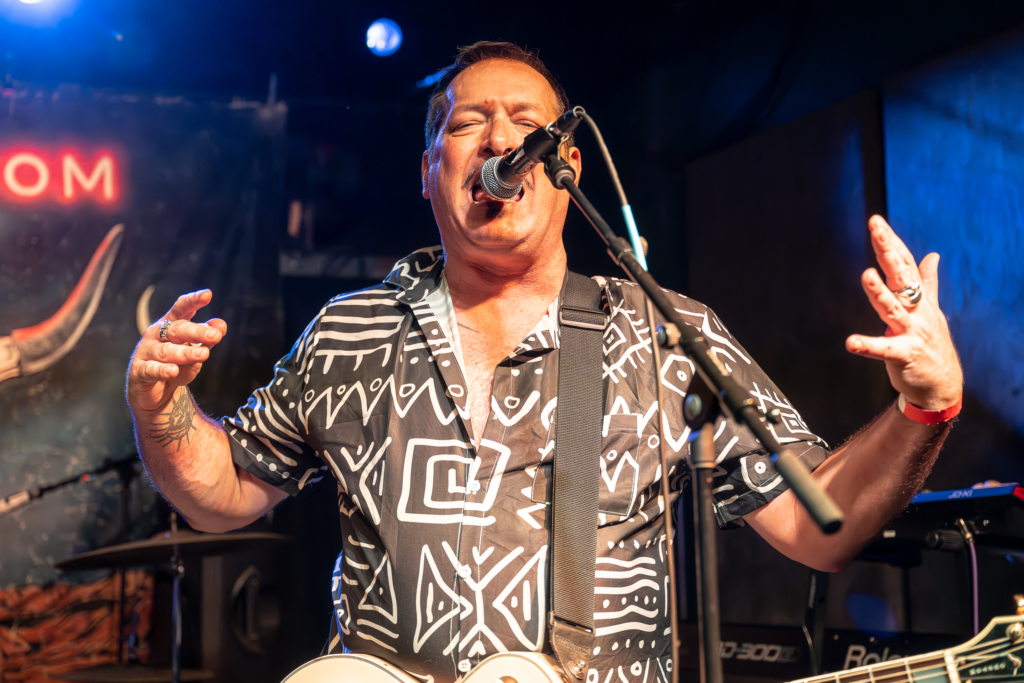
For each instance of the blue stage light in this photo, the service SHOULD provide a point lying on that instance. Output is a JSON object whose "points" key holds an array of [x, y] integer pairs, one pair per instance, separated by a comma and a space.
{"points": [[383, 37], [432, 78], [37, 13]]}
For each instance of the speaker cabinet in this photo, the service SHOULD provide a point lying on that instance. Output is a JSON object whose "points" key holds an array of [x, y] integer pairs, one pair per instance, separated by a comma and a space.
{"points": [[243, 609]]}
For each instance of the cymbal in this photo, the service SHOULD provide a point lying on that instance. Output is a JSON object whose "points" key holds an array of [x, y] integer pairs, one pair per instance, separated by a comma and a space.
{"points": [[131, 673], [160, 548]]}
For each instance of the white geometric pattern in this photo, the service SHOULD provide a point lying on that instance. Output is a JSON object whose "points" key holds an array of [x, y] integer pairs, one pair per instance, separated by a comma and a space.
{"points": [[445, 558]]}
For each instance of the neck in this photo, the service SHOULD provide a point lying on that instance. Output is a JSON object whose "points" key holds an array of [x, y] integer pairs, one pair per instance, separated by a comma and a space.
{"points": [[475, 281]]}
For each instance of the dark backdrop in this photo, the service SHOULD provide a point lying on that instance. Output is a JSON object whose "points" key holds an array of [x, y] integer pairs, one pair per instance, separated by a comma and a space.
{"points": [[200, 191], [778, 239]]}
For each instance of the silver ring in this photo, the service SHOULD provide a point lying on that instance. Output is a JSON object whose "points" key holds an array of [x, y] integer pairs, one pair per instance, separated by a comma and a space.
{"points": [[913, 292], [163, 329]]}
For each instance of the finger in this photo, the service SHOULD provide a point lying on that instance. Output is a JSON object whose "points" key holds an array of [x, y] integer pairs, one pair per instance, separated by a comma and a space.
{"points": [[187, 305], [930, 275], [219, 324], [896, 261], [880, 348], [885, 303], [179, 354], [185, 332], [152, 371]]}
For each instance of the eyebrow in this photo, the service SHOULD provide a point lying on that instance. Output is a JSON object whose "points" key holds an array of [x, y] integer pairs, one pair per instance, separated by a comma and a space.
{"points": [[515, 107]]}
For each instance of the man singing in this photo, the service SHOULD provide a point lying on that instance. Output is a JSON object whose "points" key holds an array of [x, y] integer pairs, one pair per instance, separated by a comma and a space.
{"points": [[432, 399]]}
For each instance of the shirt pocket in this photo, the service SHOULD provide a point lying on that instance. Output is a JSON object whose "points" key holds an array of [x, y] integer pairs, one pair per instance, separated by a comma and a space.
{"points": [[619, 468]]}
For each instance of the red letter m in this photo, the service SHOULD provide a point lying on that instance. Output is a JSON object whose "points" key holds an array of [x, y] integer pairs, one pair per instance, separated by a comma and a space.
{"points": [[102, 172]]}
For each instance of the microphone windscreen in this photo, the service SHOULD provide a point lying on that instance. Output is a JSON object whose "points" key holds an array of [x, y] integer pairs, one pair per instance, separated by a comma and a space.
{"points": [[493, 185]]}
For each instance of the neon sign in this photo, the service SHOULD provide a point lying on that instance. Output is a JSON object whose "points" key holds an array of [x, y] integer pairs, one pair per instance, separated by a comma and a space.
{"points": [[66, 177]]}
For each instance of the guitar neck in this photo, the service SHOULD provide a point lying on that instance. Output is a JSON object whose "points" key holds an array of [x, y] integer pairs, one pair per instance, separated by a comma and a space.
{"points": [[935, 667], [996, 655]]}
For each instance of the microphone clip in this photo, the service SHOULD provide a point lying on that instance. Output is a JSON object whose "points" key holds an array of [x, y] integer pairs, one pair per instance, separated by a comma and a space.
{"points": [[558, 171], [544, 141]]}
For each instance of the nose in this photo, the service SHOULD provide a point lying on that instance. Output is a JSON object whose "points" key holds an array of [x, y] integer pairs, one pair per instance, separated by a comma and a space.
{"points": [[501, 137]]}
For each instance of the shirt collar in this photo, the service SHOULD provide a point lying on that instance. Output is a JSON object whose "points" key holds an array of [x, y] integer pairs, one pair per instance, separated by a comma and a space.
{"points": [[544, 335], [418, 274]]}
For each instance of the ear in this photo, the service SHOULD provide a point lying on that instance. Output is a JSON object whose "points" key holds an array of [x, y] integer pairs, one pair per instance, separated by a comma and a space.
{"points": [[424, 172], [572, 156]]}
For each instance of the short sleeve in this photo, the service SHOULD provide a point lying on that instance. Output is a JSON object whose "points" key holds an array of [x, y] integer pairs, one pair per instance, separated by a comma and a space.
{"points": [[267, 436], [745, 477]]}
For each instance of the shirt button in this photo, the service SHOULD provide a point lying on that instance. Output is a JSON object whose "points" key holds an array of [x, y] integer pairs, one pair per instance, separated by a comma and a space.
{"points": [[474, 486], [465, 572], [464, 665]]}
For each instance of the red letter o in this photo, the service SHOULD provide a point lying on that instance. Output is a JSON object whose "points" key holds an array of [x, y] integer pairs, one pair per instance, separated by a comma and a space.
{"points": [[35, 162]]}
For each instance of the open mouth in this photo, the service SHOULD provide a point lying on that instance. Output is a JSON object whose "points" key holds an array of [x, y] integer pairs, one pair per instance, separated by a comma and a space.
{"points": [[481, 197]]}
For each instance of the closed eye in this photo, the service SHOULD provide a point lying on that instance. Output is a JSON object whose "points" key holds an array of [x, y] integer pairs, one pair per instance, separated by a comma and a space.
{"points": [[466, 124]]}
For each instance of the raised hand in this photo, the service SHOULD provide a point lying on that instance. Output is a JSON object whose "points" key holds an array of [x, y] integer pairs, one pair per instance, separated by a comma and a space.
{"points": [[917, 348], [163, 362]]}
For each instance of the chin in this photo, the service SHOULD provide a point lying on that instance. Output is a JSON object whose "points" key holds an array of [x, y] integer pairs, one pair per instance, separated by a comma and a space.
{"points": [[493, 227], [491, 236]]}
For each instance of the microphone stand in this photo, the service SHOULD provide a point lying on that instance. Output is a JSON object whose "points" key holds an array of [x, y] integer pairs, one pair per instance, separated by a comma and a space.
{"points": [[711, 391], [124, 467]]}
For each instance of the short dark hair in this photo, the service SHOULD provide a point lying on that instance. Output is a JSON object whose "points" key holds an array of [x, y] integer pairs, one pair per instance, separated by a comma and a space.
{"points": [[481, 51]]}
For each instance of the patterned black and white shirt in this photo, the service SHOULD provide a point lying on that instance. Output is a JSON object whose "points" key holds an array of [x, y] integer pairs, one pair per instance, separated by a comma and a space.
{"points": [[445, 553]]}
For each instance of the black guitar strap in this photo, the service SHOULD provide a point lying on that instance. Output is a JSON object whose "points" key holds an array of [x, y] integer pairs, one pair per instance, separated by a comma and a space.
{"points": [[576, 474]]}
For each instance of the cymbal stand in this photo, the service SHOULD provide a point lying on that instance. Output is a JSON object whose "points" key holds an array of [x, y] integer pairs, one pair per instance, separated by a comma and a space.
{"points": [[126, 474], [178, 569]]}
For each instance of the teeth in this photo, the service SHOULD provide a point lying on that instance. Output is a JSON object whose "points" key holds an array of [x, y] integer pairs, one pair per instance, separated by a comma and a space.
{"points": [[483, 197]]}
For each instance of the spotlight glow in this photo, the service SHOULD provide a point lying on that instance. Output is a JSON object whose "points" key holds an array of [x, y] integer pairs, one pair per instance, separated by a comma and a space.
{"points": [[383, 37], [37, 13]]}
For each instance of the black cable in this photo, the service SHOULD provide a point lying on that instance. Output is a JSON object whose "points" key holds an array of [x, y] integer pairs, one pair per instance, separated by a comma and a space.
{"points": [[627, 210]]}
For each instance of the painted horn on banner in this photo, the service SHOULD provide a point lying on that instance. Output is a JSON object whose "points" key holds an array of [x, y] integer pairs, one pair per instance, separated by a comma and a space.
{"points": [[33, 349]]}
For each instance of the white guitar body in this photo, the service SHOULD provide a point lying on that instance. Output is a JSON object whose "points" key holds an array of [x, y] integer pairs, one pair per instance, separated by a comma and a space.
{"points": [[508, 667]]}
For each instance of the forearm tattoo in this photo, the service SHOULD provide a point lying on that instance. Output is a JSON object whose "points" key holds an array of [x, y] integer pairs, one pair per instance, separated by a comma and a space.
{"points": [[178, 423]]}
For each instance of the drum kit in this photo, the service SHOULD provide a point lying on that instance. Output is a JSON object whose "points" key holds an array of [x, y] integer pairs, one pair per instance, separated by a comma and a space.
{"points": [[168, 549]]}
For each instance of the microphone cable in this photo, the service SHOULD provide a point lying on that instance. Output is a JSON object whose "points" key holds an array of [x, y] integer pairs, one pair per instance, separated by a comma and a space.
{"points": [[627, 210]]}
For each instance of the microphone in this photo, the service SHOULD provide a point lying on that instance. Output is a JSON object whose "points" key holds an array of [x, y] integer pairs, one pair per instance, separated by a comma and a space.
{"points": [[502, 176]]}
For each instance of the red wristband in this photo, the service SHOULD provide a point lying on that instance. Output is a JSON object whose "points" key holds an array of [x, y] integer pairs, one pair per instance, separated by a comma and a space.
{"points": [[929, 417]]}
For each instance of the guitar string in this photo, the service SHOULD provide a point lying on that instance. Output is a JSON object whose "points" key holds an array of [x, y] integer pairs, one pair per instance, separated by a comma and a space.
{"points": [[965, 665], [983, 656], [985, 650], [908, 673], [902, 673], [989, 648]]}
